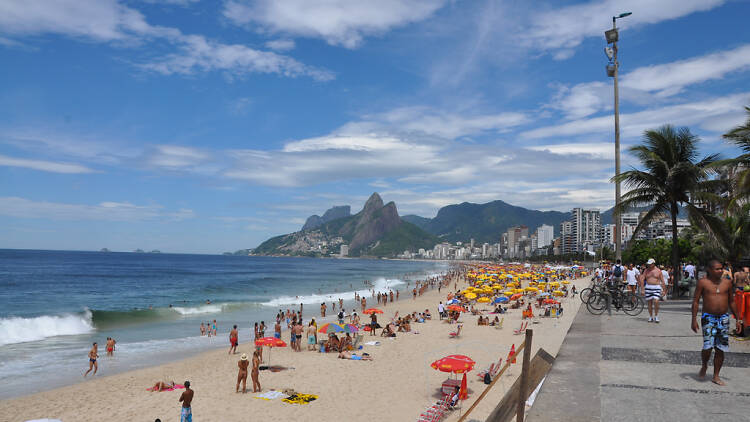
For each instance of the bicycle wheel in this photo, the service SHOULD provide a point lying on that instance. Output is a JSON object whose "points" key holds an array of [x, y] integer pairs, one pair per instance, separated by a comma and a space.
{"points": [[632, 304], [585, 293], [597, 303]]}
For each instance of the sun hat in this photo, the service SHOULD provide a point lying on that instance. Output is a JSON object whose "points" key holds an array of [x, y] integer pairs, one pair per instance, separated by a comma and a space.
{"points": [[651, 261], [244, 356]]}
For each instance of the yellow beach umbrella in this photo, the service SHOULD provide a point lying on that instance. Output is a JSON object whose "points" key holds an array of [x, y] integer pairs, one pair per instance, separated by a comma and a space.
{"points": [[508, 293], [470, 296], [558, 293], [483, 300]]}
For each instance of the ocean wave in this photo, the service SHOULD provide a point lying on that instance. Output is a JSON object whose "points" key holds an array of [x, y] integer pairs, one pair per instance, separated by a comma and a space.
{"points": [[379, 285], [21, 330], [195, 310]]}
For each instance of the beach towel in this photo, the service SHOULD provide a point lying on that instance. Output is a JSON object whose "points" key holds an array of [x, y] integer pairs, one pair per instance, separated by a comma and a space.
{"points": [[176, 387], [300, 398], [373, 343], [270, 395]]}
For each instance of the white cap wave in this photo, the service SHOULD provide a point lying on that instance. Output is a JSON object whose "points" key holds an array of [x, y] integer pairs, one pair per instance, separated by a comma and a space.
{"points": [[380, 285], [21, 330]]}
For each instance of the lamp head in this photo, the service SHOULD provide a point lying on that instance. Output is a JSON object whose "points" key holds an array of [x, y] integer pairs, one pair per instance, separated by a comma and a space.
{"points": [[622, 15]]}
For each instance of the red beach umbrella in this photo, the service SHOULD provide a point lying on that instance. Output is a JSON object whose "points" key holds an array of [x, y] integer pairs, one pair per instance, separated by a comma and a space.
{"points": [[372, 311], [456, 308], [456, 364], [463, 393], [270, 342], [516, 296]]}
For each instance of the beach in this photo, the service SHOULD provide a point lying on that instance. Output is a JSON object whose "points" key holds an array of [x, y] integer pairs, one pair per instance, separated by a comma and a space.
{"points": [[397, 385]]}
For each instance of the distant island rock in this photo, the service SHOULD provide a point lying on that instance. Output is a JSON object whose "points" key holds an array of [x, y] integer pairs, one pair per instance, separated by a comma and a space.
{"points": [[315, 221], [104, 250]]}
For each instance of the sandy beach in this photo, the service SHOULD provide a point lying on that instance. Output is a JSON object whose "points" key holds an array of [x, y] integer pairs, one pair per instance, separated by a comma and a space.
{"points": [[397, 385]]}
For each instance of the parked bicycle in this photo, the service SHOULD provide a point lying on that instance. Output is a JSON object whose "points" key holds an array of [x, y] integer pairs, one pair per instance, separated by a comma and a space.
{"points": [[602, 298]]}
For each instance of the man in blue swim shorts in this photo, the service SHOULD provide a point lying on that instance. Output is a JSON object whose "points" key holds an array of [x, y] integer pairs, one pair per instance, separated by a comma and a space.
{"points": [[716, 293]]}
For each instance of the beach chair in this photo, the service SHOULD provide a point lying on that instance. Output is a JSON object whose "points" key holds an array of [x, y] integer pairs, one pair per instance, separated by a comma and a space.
{"points": [[357, 340], [522, 329], [499, 325], [435, 412], [493, 369], [457, 332]]}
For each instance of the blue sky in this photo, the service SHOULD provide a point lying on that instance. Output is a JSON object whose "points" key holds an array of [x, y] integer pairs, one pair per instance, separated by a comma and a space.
{"points": [[206, 126]]}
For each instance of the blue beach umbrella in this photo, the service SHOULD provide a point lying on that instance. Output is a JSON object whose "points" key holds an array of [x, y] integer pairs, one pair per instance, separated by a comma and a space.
{"points": [[501, 299]]}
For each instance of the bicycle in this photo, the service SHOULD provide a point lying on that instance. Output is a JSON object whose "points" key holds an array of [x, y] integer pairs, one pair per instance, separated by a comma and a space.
{"points": [[604, 298]]}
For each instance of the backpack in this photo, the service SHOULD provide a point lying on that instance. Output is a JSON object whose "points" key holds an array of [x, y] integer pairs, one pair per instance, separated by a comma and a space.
{"points": [[617, 271], [487, 378]]}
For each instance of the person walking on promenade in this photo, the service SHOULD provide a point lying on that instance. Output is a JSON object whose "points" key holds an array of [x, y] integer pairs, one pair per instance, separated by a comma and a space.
{"points": [[632, 275], [652, 287], [717, 295]]}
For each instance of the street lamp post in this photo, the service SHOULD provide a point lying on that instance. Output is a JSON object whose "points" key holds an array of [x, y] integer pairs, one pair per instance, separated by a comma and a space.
{"points": [[612, 71]]}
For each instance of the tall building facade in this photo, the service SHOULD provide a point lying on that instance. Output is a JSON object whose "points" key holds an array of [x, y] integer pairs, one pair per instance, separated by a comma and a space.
{"points": [[544, 235]]}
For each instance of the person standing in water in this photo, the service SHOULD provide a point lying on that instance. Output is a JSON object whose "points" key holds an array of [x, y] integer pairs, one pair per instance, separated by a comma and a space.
{"points": [[93, 356], [717, 294]]}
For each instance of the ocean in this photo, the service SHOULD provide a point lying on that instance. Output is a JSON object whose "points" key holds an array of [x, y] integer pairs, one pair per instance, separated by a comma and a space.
{"points": [[55, 304]]}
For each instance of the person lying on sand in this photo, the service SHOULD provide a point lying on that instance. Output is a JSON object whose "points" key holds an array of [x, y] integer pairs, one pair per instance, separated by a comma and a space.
{"points": [[162, 386], [353, 356]]}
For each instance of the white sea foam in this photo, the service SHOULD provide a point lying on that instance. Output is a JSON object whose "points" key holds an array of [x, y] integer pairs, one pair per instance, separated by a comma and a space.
{"points": [[202, 309], [20, 330], [379, 285]]}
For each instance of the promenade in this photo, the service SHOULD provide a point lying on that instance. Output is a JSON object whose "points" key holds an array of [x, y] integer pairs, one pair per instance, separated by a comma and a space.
{"points": [[622, 368]]}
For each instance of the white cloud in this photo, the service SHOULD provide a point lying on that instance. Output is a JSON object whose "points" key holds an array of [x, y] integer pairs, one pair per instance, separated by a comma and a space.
{"points": [[99, 20], [670, 78], [111, 21], [434, 122], [281, 45], [566, 27], [650, 84], [174, 157], [697, 113], [198, 54], [12, 206], [597, 149], [338, 22], [49, 166]]}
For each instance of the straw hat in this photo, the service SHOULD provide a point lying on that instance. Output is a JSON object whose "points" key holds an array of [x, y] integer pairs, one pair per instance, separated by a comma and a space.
{"points": [[244, 356]]}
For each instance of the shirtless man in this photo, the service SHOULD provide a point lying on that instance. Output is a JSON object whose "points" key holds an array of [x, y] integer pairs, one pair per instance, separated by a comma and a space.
{"points": [[233, 341], [110, 346], [323, 310], [652, 287], [186, 414], [243, 363], [364, 303], [311, 337], [717, 295], [93, 355]]}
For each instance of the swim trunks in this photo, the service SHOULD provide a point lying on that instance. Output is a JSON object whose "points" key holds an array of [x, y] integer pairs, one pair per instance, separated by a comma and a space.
{"points": [[299, 336], [233, 342], [355, 357], [186, 415], [92, 360], [715, 331], [277, 335], [653, 292], [310, 339], [110, 349]]}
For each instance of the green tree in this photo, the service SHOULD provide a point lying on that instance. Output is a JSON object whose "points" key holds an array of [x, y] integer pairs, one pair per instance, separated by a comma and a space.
{"points": [[730, 234], [670, 177], [740, 136]]}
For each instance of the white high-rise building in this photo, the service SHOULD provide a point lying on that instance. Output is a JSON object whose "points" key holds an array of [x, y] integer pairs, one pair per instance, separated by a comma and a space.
{"points": [[544, 235]]}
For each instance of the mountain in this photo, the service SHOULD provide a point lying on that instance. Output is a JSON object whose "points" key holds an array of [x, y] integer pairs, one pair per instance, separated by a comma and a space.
{"points": [[336, 212], [607, 215], [484, 222], [377, 230]]}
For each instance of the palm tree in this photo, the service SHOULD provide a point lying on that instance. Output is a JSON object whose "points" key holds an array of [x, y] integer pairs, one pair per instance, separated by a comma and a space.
{"points": [[671, 178], [740, 166], [730, 235]]}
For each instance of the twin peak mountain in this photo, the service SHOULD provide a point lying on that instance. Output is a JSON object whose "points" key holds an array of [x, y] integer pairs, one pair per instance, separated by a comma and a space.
{"points": [[378, 231]]}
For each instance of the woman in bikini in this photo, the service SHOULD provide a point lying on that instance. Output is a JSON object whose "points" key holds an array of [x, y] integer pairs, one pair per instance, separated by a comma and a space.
{"points": [[254, 372], [243, 363], [162, 386]]}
